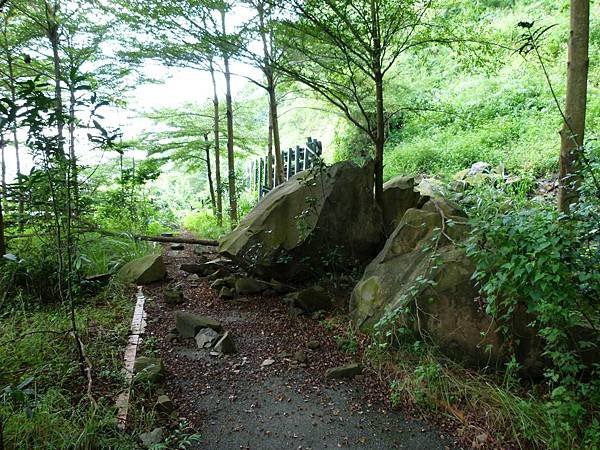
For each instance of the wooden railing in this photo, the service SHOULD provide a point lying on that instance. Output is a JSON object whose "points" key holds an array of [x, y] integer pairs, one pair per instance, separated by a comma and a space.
{"points": [[294, 160]]}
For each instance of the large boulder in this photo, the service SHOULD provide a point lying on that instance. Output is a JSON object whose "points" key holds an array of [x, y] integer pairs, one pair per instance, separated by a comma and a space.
{"points": [[405, 287], [300, 224], [399, 195], [144, 270]]}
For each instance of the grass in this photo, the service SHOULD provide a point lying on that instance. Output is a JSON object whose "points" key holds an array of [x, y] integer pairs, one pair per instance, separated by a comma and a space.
{"points": [[50, 410]]}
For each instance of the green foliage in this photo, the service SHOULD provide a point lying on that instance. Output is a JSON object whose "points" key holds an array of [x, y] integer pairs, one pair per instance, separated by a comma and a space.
{"points": [[529, 257], [42, 399]]}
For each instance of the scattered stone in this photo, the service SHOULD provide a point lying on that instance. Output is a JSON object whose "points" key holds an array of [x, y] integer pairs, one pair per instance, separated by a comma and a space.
{"points": [[226, 293], [198, 269], [215, 354], [220, 282], [347, 371], [247, 285], [313, 344], [152, 438], [226, 345], [171, 337], [164, 405], [173, 295], [177, 247], [144, 270], [310, 300], [267, 362], [148, 369], [193, 277], [206, 337], [300, 356], [188, 324]]}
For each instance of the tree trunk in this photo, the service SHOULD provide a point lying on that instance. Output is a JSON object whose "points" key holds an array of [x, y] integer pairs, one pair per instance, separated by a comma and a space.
{"points": [[13, 96], [573, 129], [272, 91], [211, 187], [58, 107], [2, 239], [276, 141], [219, 190], [74, 176], [230, 155], [270, 153], [3, 166], [379, 106]]}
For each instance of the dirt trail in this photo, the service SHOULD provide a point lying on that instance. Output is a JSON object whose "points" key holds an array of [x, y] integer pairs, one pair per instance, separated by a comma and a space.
{"points": [[236, 403]]}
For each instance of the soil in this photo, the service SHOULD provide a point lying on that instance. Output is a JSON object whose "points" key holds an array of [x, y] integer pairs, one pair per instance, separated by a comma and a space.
{"points": [[236, 402]]}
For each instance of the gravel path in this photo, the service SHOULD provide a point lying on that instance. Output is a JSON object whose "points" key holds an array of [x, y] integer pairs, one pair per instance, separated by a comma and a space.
{"points": [[237, 403]]}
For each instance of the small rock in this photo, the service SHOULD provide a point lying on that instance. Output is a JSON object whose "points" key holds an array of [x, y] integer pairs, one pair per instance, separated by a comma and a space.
{"points": [[177, 247], [194, 277], [267, 362], [148, 369], [215, 354], [313, 344], [188, 324], [347, 371], [226, 345], [193, 268], [171, 337], [300, 356], [164, 405], [151, 438], [247, 285], [206, 337], [295, 312], [310, 300], [173, 295], [226, 293]]}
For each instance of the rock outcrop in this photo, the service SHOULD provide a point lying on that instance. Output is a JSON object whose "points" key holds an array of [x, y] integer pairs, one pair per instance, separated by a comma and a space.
{"points": [[395, 287], [305, 220], [399, 195], [144, 270]]}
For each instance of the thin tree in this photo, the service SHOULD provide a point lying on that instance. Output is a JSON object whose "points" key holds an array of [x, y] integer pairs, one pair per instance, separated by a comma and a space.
{"points": [[344, 51], [572, 133], [233, 213]]}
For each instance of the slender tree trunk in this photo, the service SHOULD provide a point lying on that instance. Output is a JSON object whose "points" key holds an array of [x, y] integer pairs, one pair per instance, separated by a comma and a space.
{"points": [[13, 125], [276, 141], [230, 155], [53, 37], [379, 106], [270, 153], [219, 190], [573, 129], [3, 166], [72, 155], [211, 187], [2, 238]]}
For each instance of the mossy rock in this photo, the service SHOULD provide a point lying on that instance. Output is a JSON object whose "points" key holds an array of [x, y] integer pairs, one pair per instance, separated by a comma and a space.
{"points": [[144, 270]]}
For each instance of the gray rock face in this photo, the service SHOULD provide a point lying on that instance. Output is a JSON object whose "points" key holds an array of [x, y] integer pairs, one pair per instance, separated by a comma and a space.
{"points": [[206, 337], [305, 219], [188, 324], [148, 369], [447, 311], [248, 285], [226, 345], [144, 270], [399, 195], [347, 371]]}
